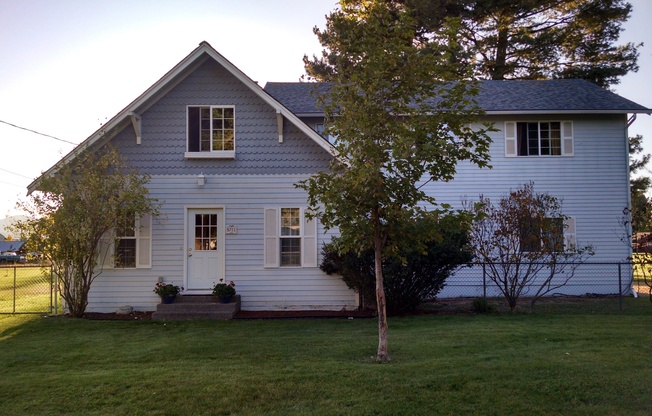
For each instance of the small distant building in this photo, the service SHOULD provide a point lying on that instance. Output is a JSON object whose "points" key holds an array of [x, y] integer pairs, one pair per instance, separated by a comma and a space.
{"points": [[17, 246], [642, 243]]}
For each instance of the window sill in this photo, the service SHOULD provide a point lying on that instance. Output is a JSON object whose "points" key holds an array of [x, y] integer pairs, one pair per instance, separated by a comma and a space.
{"points": [[538, 156], [222, 154]]}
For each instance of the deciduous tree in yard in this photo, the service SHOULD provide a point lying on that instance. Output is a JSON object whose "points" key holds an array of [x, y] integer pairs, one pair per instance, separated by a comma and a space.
{"points": [[524, 243], [74, 209], [392, 136]]}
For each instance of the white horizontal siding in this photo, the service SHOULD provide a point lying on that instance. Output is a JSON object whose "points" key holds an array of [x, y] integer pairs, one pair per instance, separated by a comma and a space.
{"points": [[243, 199], [592, 184]]}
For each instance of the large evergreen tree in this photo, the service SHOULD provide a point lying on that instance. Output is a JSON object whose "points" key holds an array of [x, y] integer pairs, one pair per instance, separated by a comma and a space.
{"points": [[536, 39], [391, 134]]}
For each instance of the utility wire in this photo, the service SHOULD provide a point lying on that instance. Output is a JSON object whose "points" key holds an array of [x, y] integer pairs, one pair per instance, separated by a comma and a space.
{"points": [[12, 184], [15, 173], [36, 132]]}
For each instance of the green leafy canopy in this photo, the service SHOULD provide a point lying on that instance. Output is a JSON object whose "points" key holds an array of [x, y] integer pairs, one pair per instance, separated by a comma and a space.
{"points": [[398, 119]]}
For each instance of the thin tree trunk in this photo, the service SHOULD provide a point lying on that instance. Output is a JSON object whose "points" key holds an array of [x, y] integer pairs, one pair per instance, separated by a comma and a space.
{"points": [[383, 355]]}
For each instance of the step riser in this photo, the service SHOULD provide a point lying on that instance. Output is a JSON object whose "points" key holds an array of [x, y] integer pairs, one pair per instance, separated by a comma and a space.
{"points": [[196, 307], [191, 316]]}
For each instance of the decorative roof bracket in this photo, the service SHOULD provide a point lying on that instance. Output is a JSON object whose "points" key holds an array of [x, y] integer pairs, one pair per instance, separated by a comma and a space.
{"points": [[135, 121], [279, 122]]}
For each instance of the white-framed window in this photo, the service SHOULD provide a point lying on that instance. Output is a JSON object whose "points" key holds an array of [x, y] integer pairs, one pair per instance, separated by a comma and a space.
{"points": [[539, 138], [210, 132], [128, 245], [556, 234], [290, 238], [321, 129], [125, 243]]}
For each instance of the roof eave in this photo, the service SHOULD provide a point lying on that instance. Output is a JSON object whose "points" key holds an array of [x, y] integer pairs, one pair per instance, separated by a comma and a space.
{"points": [[526, 112], [541, 112], [165, 83]]}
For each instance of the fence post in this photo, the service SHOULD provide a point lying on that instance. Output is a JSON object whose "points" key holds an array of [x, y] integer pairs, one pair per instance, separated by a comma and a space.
{"points": [[54, 280], [620, 286], [15, 288], [484, 281]]}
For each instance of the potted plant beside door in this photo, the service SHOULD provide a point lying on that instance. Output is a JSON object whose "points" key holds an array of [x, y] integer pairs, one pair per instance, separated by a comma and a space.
{"points": [[224, 291], [167, 291]]}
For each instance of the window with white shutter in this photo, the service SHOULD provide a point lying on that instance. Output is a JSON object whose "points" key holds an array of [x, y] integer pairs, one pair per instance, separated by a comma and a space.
{"points": [[128, 245], [539, 138], [570, 239], [290, 238]]}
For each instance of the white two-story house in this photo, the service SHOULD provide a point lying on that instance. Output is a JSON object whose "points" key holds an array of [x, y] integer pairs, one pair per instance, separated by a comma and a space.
{"points": [[224, 155]]}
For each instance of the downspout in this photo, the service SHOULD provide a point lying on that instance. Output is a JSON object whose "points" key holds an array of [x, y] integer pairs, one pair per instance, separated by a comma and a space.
{"points": [[628, 229]]}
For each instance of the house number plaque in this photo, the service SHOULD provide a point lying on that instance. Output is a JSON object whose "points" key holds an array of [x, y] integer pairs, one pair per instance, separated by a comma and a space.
{"points": [[232, 229]]}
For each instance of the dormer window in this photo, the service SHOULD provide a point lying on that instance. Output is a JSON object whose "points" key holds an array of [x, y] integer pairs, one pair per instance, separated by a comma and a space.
{"points": [[321, 129], [211, 132]]}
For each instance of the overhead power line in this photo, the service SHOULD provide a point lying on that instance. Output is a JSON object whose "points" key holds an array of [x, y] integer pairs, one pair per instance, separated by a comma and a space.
{"points": [[36, 132], [15, 173]]}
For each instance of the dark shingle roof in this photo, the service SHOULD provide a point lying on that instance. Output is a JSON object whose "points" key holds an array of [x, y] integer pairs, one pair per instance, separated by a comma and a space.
{"points": [[11, 246], [512, 96]]}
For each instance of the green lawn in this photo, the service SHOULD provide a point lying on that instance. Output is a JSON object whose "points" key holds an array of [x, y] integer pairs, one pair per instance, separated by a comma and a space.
{"points": [[584, 363]]}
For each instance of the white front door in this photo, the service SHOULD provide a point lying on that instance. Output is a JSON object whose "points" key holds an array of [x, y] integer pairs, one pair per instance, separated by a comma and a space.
{"points": [[205, 248]]}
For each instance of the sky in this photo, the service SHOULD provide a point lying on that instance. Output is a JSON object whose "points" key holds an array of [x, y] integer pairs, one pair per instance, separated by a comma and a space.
{"points": [[68, 66]]}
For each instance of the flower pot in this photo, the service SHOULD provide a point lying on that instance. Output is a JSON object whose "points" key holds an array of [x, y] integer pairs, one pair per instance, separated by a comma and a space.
{"points": [[168, 299], [226, 299]]}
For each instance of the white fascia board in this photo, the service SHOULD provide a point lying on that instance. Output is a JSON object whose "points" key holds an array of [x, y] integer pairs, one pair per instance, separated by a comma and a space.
{"points": [[271, 101], [139, 105], [169, 81]]}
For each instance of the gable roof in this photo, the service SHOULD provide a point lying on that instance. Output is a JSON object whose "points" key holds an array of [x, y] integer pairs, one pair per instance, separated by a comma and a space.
{"points": [[172, 78], [558, 96]]}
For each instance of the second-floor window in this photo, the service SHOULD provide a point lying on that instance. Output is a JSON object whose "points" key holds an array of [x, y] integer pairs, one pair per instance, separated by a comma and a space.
{"points": [[539, 138], [321, 129], [211, 131]]}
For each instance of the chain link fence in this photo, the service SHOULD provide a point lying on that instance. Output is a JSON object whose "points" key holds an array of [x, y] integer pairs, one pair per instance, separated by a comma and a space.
{"points": [[27, 289], [586, 279]]}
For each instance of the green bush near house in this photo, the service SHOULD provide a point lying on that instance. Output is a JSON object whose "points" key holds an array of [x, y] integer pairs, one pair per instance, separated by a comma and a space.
{"points": [[414, 274]]}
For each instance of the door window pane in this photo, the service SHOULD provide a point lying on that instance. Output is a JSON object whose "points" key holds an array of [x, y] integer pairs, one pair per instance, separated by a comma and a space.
{"points": [[205, 232]]}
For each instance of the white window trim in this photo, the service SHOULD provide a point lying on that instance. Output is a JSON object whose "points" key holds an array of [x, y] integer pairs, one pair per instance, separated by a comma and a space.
{"points": [[294, 237], [570, 234], [320, 128], [220, 154], [213, 154], [143, 237], [272, 236], [567, 139]]}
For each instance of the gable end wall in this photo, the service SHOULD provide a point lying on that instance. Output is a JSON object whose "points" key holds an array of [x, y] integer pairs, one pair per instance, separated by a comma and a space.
{"points": [[258, 150]]}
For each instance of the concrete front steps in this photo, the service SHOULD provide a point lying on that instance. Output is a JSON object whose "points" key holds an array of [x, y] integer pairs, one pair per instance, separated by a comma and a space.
{"points": [[196, 307]]}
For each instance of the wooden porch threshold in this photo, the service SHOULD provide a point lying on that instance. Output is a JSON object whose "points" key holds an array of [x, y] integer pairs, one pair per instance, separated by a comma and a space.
{"points": [[191, 307]]}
